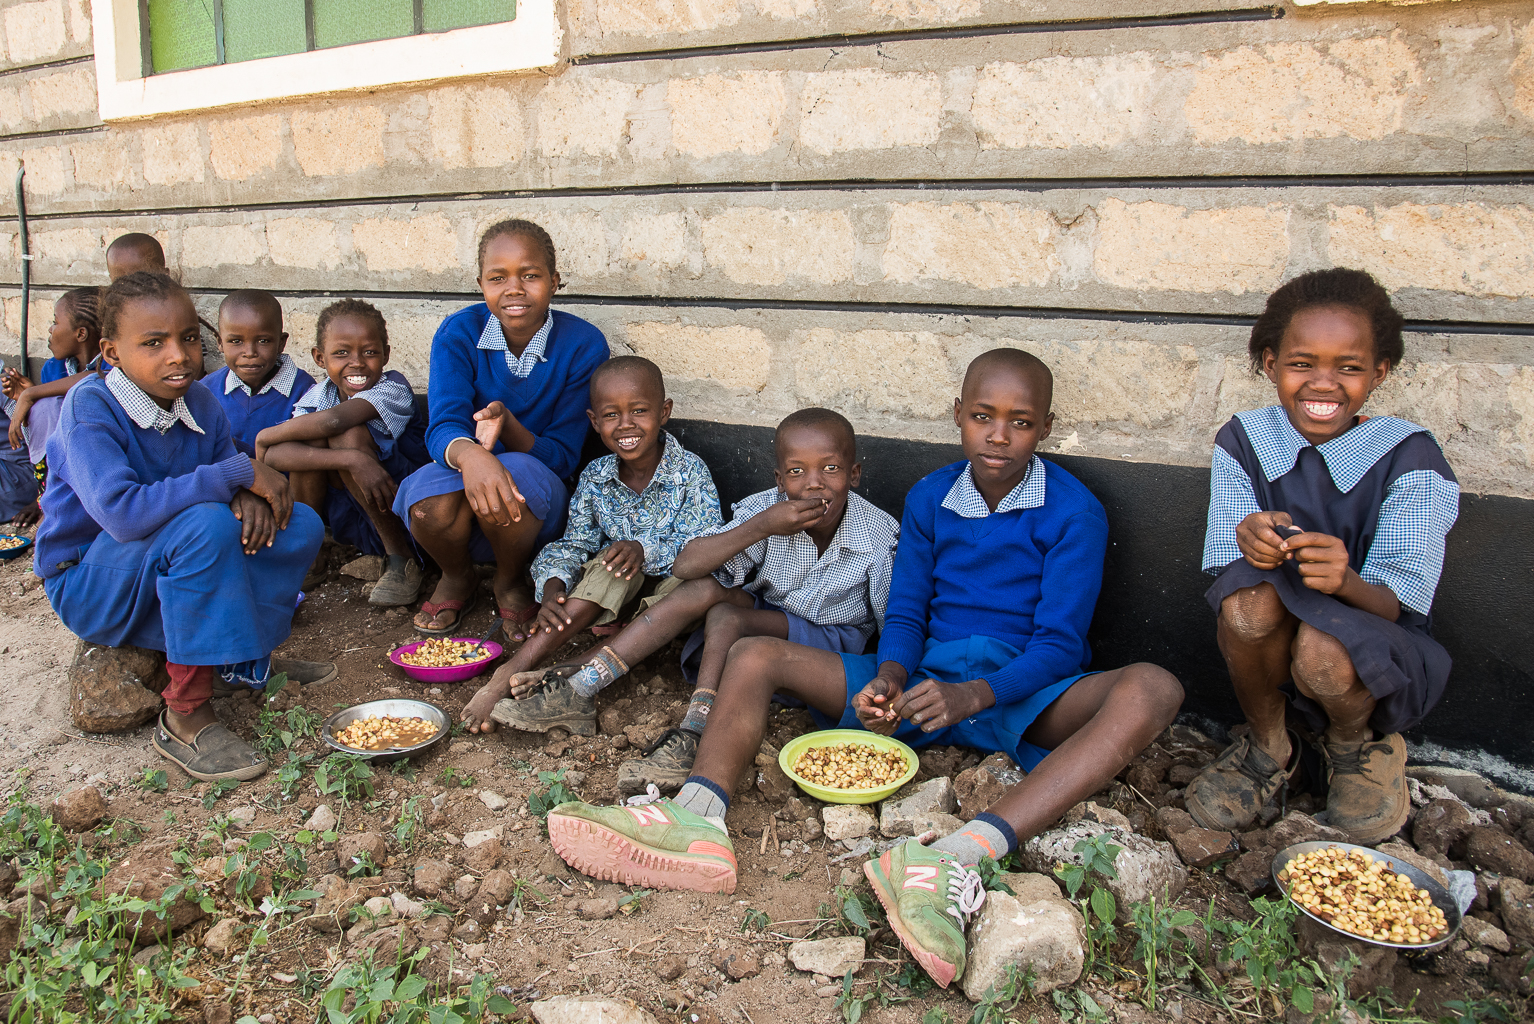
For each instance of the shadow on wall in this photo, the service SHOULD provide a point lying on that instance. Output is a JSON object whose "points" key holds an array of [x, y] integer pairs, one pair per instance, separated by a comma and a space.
{"points": [[1153, 609]]}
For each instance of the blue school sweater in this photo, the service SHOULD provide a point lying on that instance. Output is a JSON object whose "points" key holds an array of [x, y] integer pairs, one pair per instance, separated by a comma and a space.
{"points": [[250, 414], [54, 369], [551, 402], [1028, 577], [105, 472]]}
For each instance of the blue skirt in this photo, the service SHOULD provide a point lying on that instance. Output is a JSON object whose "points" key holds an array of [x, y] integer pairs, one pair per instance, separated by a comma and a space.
{"points": [[348, 520], [997, 729], [546, 496]]}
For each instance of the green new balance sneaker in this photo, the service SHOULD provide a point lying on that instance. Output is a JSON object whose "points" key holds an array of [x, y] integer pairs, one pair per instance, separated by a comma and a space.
{"points": [[928, 897], [657, 844]]}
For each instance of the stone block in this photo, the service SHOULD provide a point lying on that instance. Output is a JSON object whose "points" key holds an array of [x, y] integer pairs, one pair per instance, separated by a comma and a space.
{"points": [[102, 163], [34, 31], [432, 877], [172, 153], [114, 688], [982, 245], [1484, 933], [580, 115], [830, 957], [1476, 249], [428, 242], [898, 813], [1297, 827], [764, 246], [477, 126], [310, 242], [338, 139], [589, 1009], [239, 245], [1439, 825], [1516, 905], [736, 358], [659, 242], [847, 821], [1200, 847], [906, 373], [75, 250], [1045, 935], [45, 169], [70, 93], [239, 148], [735, 114], [869, 109], [1093, 102], [1165, 247], [1489, 849], [1145, 867]]}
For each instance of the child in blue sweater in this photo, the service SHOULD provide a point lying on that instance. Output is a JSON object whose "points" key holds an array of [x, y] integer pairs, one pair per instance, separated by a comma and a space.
{"points": [[508, 388], [158, 533], [998, 569], [259, 381]]}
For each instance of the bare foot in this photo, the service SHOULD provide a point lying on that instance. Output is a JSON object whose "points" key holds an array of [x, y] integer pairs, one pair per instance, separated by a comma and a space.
{"points": [[477, 711], [448, 589], [524, 683]]}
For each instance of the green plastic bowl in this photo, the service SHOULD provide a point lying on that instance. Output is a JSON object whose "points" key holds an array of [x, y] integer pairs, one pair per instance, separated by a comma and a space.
{"points": [[830, 737]]}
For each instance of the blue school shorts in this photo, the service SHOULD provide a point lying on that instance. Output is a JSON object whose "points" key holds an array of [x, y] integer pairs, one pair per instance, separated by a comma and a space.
{"points": [[546, 496], [997, 729]]}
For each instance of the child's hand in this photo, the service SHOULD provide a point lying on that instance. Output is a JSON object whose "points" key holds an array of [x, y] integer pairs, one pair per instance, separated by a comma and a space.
{"points": [[551, 614], [12, 383], [624, 558], [375, 483], [258, 527], [491, 491], [273, 486], [1322, 561], [790, 516], [18, 421], [936, 705], [488, 423], [1260, 536], [873, 704]]}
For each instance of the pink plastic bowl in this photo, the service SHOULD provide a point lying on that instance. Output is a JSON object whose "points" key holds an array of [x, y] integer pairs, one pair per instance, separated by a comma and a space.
{"points": [[452, 674]]}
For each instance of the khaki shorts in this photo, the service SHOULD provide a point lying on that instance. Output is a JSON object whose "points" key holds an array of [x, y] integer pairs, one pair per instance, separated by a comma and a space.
{"points": [[612, 594]]}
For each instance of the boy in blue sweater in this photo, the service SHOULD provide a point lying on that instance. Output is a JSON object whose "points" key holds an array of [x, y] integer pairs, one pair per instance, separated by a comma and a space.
{"points": [[158, 533], [259, 381], [998, 569]]}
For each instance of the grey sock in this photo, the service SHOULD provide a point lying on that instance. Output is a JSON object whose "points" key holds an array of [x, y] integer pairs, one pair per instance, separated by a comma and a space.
{"points": [[969, 844], [697, 712], [604, 669], [701, 800]]}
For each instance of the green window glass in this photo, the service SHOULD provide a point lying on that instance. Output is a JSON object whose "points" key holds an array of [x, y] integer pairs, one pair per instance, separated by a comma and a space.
{"points": [[197, 33]]}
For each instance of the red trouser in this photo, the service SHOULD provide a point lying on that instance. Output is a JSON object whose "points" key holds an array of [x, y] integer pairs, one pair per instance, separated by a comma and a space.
{"points": [[191, 686]]}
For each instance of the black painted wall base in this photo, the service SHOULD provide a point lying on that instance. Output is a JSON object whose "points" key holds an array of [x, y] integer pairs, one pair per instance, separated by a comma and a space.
{"points": [[1152, 606]]}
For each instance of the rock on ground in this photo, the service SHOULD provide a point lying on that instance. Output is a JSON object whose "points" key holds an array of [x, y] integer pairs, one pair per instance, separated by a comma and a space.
{"points": [[78, 810], [1484, 933], [1440, 825], [847, 821], [772, 781], [487, 856], [493, 800], [1376, 964], [388, 945], [337, 898], [146, 874], [896, 816], [830, 957], [1517, 907], [223, 937], [1035, 929], [589, 1009], [1200, 847], [114, 688], [1489, 849], [321, 819], [432, 876], [351, 849], [368, 567], [484, 835], [598, 908], [1145, 867]]}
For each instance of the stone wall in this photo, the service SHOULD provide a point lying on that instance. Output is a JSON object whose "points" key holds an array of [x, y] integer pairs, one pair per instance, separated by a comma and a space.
{"points": [[841, 201]]}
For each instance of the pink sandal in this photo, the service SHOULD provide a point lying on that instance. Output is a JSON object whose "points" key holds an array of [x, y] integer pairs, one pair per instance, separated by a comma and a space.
{"points": [[433, 608], [527, 614]]}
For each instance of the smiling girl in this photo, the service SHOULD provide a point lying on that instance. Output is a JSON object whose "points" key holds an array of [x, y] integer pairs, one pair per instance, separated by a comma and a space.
{"points": [[509, 381], [1326, 530]]}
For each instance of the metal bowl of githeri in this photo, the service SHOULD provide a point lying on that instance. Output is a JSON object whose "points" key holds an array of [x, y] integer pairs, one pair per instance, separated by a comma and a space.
{"points": [[394, 708], [1439, 896]]}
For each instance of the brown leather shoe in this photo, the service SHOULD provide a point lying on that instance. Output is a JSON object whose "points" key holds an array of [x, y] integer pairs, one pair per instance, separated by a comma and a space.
{"points": [[1227, 794], [1367, 795]]}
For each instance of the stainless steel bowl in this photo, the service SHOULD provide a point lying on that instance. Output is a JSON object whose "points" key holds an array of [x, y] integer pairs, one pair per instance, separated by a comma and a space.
{"points": [[1442, 898], [392, 708]]}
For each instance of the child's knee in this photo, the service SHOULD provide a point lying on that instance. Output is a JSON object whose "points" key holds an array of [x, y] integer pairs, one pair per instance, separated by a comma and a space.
{"points": [[358, 437], [1157, 688], [437, 512], [1321, 663], [753, 657], [721, 621], [1254, 613]]}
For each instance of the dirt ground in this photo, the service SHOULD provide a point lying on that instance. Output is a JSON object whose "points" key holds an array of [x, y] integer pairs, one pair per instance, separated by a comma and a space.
{"points": [[676, 954]]}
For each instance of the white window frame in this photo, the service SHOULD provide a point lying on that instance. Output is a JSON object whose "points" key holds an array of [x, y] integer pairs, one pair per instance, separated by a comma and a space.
{"points": [[534, 40]]}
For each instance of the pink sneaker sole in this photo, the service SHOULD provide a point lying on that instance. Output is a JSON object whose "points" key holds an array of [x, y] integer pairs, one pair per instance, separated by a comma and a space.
{"points": [[938, 969], [605, 854]]}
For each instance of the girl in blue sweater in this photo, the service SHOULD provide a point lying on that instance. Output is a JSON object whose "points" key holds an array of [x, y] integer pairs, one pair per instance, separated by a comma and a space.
{"points": [[998, 569], [159, 533], [507, 399]]}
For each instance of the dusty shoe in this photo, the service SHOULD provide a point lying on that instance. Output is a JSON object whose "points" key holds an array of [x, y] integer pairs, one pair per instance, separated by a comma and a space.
{"points": [[214, 755], [1227, 794], [400, 584], [658, 844], [1367, 796], [929, 897], [555, 706], [666, 765]]}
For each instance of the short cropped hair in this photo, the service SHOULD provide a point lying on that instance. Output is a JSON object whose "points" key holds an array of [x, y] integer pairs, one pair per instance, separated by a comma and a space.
{"points": [[634, 368], [1338, 287], [515, 226], [132, 288], [138, 242], [256, 300], [1025, 364], [827, 421], [350, 307]]}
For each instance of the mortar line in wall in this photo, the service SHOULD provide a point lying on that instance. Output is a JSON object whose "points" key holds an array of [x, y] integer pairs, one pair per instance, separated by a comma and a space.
{"points": [[909, 308], [54, 133], [1268, 13], [47, 65], [1424, 180]]}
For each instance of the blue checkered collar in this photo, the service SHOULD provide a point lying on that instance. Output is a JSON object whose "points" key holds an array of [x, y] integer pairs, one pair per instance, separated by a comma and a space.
{"points": [[965, 499], [144, 410], [282, 380], [672, 464], [492, 337], [1348, 457]]}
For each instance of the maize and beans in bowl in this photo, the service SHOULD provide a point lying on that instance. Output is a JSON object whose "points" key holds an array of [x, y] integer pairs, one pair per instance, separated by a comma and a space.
{"points": [[445, 660], [848, 766], [1368, 895]]}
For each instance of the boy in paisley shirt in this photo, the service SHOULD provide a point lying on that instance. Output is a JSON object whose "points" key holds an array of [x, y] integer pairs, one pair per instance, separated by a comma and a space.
{"points": [[644, 502]]}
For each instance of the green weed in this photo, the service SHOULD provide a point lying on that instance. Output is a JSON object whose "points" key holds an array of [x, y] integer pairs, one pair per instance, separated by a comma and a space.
{"points": [[755, 921], [451, 775], [153, 779], [550, 792], [1001, 998], [345, 776], [1157, 930], [217, 791]]}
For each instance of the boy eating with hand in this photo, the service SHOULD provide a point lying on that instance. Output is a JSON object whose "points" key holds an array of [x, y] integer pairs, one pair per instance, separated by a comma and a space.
{"points": [[259, 382], [999, 567]]}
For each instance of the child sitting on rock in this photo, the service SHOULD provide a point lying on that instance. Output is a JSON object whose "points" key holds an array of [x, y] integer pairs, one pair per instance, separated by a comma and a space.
{"points": [[999, 567], [353, 437], [159, 534], [1327, 532], [259, 382], [807, 561], [633, 511]]}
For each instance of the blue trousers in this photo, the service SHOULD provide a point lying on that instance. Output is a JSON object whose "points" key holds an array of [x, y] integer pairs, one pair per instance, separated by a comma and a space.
{"points": [[190, 590]]}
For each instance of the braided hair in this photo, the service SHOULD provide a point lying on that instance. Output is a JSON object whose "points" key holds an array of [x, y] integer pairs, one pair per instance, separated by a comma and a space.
{"points": [[1337, 287], [84, 308]]}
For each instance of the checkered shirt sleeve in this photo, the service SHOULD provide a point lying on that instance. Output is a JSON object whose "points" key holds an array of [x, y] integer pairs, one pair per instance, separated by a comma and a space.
{"points": [[1231, 499], [737, 570], [1407, 552], [393, 401]]}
